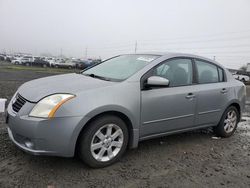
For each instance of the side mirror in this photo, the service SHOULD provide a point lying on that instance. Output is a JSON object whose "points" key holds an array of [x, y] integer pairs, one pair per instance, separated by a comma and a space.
{"points": [[157, 81]]}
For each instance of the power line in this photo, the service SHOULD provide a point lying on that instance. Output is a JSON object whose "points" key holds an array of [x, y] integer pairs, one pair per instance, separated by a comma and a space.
{"points": [[195, 36], [179, 43], [206, 48], [170, 40], [196, 41]]}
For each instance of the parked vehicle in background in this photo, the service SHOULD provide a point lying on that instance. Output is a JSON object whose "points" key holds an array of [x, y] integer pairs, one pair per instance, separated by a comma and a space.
{"points": [[8, 58], [96, 61], [2, 57], [241, 77], [41, 62], [69, 64], [51, 61], [22, 60], [17, 60], [27, 60], [124, 100], [82, 64]]}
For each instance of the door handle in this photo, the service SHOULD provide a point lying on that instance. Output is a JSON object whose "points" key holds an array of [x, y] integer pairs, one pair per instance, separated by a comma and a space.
{"points": [[190, 96], [224, 90]]}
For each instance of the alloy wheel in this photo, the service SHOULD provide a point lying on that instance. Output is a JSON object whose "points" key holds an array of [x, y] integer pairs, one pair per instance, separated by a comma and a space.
{"points": [[107, 142], [230, 121]]}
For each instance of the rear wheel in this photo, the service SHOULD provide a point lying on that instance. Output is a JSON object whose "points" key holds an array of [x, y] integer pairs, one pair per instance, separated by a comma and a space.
{"points": [[228, 122], [103, 142]]}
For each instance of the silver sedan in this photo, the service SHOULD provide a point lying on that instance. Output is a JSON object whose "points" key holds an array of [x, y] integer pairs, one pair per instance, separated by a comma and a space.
{"points": [[116, 104]]}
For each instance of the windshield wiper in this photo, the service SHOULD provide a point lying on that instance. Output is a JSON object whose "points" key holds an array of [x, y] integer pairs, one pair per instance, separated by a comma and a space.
{"points": [[98, 77]]}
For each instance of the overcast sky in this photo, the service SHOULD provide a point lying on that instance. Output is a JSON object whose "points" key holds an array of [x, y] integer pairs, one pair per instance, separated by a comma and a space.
{"points": [[219, 28]]}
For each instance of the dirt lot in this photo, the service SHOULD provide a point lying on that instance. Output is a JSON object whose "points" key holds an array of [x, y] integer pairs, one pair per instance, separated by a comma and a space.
{"points": [[191, 159]]}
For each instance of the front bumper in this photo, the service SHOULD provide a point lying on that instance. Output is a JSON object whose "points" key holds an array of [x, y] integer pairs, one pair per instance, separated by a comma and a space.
{"points": [[40, 136], [26, 147]]}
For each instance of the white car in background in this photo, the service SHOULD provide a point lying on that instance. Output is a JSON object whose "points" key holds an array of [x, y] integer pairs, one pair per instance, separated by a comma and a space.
{"points": [[17, 60], [25, 60], [241, 77], [51, 61]]}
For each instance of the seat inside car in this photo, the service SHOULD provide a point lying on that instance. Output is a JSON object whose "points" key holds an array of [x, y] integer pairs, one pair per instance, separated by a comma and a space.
{"points": [[206, 77], [180, 77]]}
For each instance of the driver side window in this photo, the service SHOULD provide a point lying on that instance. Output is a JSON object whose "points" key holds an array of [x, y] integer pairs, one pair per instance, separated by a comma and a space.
{"points": [[178, 71]]}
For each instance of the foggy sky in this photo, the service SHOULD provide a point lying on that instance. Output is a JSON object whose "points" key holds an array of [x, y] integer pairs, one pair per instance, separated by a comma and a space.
{"points": [[219, 28]]}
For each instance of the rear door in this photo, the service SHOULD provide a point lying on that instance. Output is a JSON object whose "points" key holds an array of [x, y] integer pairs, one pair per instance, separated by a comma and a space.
{"points": [[212, 92]]}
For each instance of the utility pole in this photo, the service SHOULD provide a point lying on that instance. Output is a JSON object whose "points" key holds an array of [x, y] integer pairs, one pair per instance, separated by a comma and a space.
{"points": [[135, 46], [86, 52], [61, 52], [214, 58]]}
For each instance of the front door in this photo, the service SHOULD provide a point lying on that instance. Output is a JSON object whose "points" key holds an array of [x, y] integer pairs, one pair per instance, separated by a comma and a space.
{"points": [[171, 108]]}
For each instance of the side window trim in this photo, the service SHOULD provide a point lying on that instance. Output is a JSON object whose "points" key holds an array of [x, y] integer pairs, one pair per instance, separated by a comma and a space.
{"points": [[195, 72], [223, 74]]}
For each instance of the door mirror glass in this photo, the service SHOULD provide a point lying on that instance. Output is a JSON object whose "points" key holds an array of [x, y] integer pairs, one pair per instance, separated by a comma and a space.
{"points": [[157, 81]]}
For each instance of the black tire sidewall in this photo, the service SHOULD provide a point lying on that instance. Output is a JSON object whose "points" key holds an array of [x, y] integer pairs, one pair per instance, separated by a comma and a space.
{"points": [[219, 129], [87, 135]]}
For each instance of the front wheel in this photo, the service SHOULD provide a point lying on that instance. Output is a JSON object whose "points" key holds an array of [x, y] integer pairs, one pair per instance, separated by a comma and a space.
{"points": [[228, 122], [103, 142]]}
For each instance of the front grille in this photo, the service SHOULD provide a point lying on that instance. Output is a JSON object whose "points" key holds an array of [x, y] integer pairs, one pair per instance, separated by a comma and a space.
{"points": [[18, 103]]}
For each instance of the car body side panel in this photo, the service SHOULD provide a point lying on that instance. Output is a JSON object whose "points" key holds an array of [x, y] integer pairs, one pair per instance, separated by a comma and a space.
{"points": [[167, 109], [89, 104], [211, 102]]}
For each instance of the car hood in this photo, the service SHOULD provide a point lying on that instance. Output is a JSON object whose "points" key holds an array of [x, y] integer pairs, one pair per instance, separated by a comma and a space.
{"points": [[67, 83]]}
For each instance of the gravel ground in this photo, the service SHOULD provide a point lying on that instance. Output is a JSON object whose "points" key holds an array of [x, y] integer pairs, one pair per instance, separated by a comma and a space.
{"points": [[193, 159]]}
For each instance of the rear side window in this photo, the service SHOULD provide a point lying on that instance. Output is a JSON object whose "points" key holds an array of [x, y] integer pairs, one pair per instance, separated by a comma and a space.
{"points": [[208, 73]]}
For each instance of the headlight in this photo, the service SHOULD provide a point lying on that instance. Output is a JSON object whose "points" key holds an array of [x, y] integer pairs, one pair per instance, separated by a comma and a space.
{"points": [[47, 107]]}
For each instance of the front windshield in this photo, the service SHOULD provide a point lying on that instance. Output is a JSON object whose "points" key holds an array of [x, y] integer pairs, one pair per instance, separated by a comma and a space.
{"points": [[121, 67]]}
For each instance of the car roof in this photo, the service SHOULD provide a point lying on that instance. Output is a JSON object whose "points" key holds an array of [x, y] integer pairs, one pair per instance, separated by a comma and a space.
{"points": [[171, 54], [178, 54]]}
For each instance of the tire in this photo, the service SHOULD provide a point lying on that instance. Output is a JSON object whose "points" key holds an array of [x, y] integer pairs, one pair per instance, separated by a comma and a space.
{"points": [[91, 136], [224, 129]]}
